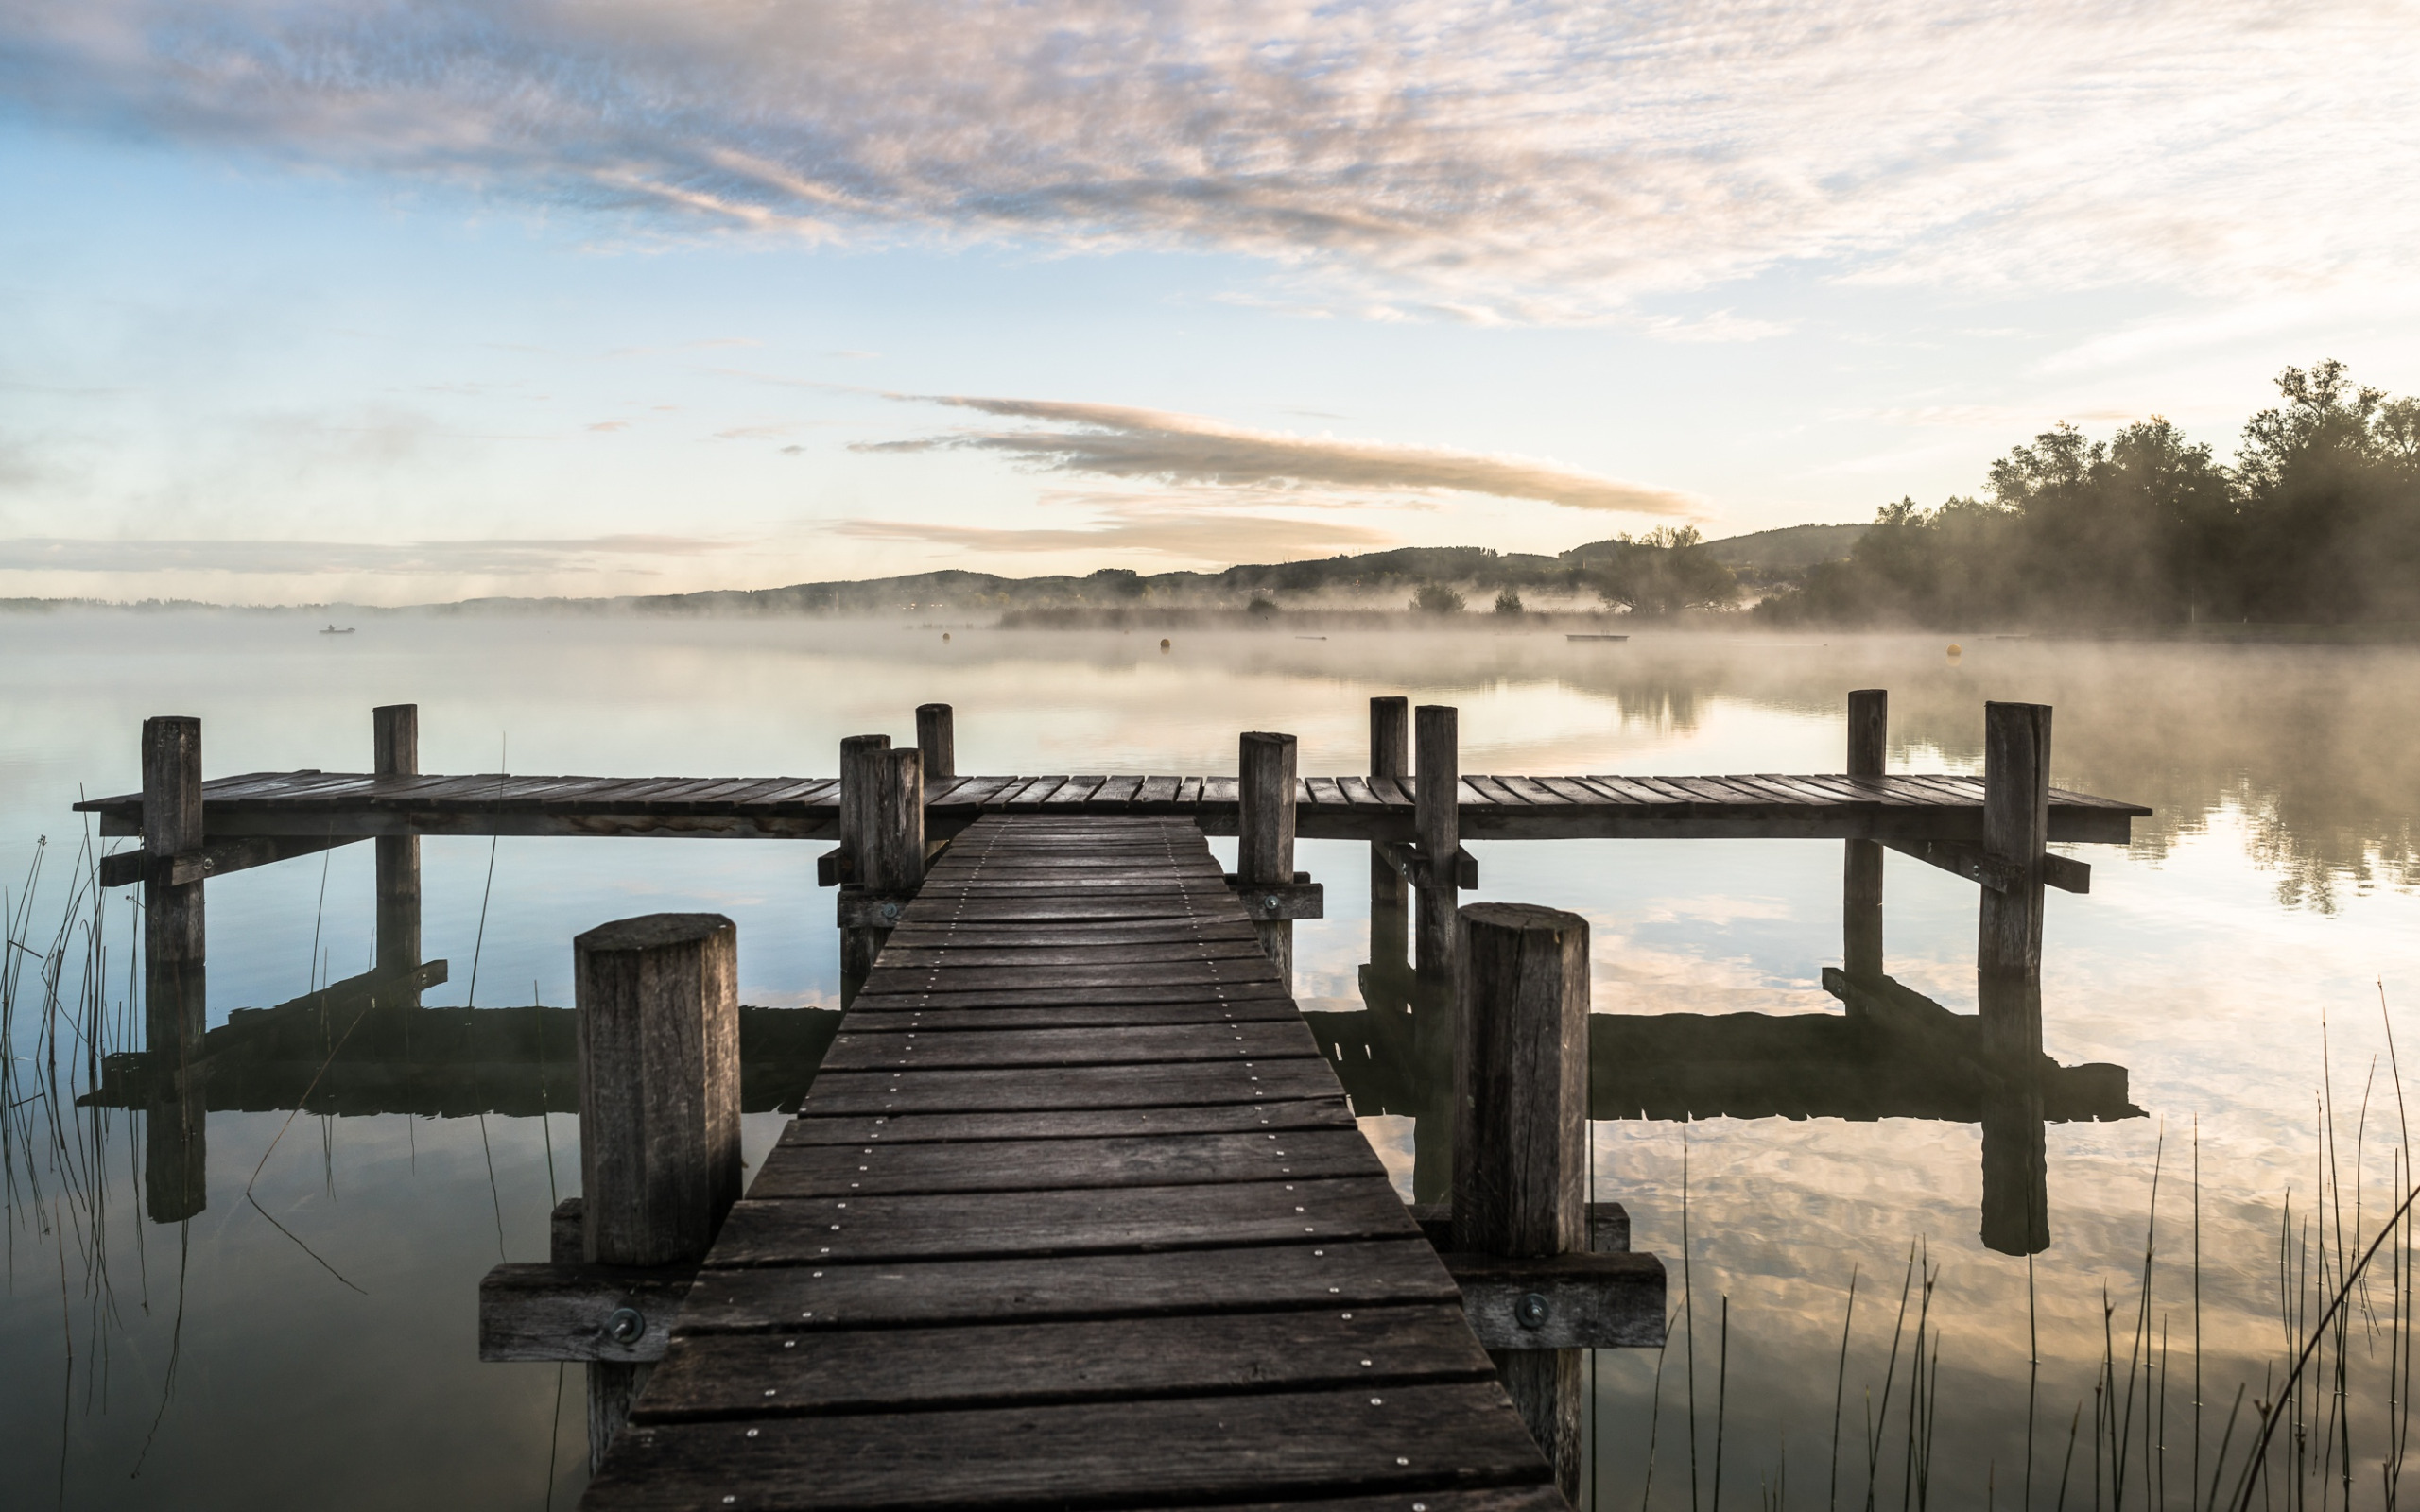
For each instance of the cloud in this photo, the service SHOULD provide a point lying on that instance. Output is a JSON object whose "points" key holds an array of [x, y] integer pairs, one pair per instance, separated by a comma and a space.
{"points": [[1117, 441], [1448, 159], [1218, 538], [56, 554]]}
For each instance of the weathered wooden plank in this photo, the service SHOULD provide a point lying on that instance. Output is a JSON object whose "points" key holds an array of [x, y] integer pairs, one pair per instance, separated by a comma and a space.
{"points": [[969, 1225], [1491, 790], [556, 1312], [1051, 937], [899, 957], [1571, 790], [1391, 792], [1034, 791], [1065, 1165], [1041, 1088], [980, 978], [1059, 1014], [1358, 793], [1157, 790], [1530, 790], [1324, 790], [857, 1050], [812, 1128], [766, 1376], [1117, 790], [1239, 1448], [1077, 789], [1029, 997]]}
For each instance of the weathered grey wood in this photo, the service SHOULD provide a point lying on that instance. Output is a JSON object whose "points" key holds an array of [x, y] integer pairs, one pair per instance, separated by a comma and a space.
{"points": [[658, 1115], [1053, 936], [1026, 997], [214, 859], [1520, 1126], [1437, 819], [936, 741], [1240, 1448], [1041, 1088], [395, 752], [1264, 837], [866, 773], [857, 1050], [175, 971], [558, 1312], [2008, 966], [842, 1231], [1164, 973], [1378, 1347], [817, 1298], [1205, 1010], [1869, 748], [1591, 1301], [866, 1129], [899, 957], [1608, 1225], [1065, 1165]]}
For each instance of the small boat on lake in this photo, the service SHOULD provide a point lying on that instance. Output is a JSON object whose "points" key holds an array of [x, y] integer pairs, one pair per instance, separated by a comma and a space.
{"points": [[1596, 637], [335, 631]]}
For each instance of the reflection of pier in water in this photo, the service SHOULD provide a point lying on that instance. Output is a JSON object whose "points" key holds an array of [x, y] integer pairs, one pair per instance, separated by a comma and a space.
{"points": [[367, 1046]]}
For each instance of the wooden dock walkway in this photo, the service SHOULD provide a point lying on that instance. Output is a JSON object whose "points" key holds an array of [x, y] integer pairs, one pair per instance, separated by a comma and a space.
{"points": [[354, 805], [1075, 1214]]}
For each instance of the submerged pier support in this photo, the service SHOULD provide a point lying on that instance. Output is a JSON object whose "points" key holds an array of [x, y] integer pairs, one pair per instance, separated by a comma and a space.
{"points": [[1437, 819], [1861, 860], [175, 972], [882, 841], [395, 752], [1265, 839], [2008, 974]]}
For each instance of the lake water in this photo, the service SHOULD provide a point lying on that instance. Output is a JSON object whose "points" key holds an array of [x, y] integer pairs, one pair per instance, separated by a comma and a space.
{"points": [[309, 1339]]}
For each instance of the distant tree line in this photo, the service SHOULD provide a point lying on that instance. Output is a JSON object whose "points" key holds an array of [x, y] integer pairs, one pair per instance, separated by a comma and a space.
{"points": [[2316, 521]]}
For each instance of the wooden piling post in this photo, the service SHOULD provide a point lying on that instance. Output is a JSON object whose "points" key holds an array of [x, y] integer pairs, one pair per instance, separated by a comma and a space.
{"points": [[1521, 1130], [936, 741], [2008, 974], [862, 768], [394, 749], [175, 998], [1861, 866], [1389, 895], [1437, 817], [659, 1106], [1265, 831]]}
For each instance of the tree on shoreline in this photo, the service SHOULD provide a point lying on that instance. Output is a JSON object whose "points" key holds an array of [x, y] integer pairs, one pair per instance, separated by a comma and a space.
{"points": [[2319, 520]]}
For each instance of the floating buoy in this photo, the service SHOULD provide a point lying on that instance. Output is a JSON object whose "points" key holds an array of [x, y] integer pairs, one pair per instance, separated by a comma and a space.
{"points": [[1163, 644], [1953, 650], [945, 637]]}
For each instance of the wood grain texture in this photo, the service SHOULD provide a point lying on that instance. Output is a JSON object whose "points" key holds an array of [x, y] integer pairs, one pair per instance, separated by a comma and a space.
{"points": [[1062, 1164]]}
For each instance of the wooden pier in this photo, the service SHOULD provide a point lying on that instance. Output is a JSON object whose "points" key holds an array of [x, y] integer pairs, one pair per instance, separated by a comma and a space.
{"points": [[1075, 1210], [1075, 1213]]}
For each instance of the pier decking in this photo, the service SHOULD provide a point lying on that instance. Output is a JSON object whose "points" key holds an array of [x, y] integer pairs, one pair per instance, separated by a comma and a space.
{"points": [[352, 805], [1075, 1214]]}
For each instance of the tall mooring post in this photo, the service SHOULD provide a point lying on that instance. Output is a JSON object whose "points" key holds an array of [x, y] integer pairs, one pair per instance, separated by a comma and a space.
{"points": [[2008, 976], [175, 972], [936, 741], [1521, 1129], [1390, 894], [882, 833], [1265, 833], [658, 1107], [1437, 819], [1861, 866], [394, 752]]}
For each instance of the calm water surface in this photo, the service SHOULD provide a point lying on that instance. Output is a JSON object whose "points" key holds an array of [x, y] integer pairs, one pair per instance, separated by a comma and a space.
{"points": [[309, 1339]]}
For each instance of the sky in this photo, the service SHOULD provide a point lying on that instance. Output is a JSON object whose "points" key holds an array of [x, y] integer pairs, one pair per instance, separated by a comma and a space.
{"points": [[403, 300]]}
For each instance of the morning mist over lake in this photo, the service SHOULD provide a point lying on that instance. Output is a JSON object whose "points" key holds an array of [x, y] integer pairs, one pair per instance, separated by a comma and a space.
{"points": [[1426, 758]]}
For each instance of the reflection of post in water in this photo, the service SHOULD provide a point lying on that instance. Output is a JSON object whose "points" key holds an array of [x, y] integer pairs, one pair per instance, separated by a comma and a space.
{"points": [[1861, 867], [175, 975], [2008, 976], [395, 752]]}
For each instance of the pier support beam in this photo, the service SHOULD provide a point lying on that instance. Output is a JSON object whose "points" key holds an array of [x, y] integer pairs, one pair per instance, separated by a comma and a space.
{"points": [[658, 1107], [2008, 976], [882, 830], [1521, 1130], [1862, 864], [175, 972], [1265, 833], [1436, 819], [395, 752]]}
